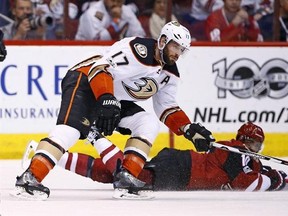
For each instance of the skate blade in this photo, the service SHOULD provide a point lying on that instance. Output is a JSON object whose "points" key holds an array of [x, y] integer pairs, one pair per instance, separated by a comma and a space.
{"points": [[124, 194], [20, 193]]}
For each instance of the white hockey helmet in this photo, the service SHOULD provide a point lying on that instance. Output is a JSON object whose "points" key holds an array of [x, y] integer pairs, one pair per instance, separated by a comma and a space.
{"points": [[176, 32]]}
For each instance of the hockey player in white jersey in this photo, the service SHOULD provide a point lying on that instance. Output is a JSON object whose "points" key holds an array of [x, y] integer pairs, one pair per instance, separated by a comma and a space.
{"points": [[104, 89]]}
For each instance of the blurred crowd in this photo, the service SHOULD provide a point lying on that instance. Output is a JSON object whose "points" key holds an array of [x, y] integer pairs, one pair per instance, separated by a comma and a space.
{"points": [[207, 20]]}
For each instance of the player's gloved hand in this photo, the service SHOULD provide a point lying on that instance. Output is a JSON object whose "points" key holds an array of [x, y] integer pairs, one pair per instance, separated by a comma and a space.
{"points": [[277, 178], [3, 51], [200, 136], [108, 115]]}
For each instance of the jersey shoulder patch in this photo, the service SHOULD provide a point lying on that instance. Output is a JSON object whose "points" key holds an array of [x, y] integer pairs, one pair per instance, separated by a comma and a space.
{"points": [[143, 50]]}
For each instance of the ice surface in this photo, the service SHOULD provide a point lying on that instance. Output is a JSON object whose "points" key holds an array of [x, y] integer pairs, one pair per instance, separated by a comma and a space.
{"points": [[75, 195]]}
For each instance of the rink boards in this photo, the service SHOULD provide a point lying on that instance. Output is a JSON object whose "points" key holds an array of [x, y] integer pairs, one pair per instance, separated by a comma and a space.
{"points": [[212, 91]]}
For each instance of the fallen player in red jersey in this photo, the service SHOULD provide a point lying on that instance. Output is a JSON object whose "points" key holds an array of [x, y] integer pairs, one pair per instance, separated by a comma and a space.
{"points": [[181, 170]]}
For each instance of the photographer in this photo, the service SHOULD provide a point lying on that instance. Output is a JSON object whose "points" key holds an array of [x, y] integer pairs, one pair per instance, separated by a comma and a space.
{"points": [[26, 25], [3, 51], [232, 23]]}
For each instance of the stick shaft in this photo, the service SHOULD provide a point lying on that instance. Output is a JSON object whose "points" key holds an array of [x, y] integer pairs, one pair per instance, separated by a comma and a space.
{"points": [[249, 153]]}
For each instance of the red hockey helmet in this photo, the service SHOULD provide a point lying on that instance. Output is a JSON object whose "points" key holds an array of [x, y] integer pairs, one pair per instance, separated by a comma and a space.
{"points": [[252, 135]]}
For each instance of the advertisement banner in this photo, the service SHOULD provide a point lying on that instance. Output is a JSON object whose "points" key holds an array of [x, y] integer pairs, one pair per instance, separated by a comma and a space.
{"points": [[221, 87]]}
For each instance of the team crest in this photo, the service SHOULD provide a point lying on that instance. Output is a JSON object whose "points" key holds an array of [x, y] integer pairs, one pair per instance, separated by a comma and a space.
{"points": [[144, 90], [141, 50], [85, 122]]}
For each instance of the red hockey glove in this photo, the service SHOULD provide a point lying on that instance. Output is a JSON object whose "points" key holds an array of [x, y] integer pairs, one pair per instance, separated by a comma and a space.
{"points": [[277, 178], [200, 136], [108, 114]]}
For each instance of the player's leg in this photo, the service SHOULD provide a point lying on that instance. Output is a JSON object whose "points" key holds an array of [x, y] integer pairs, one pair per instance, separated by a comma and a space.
{"points": [[108, 152], [90, 167], [87, 166], [72, 124], [144, 128], [46, 156]]}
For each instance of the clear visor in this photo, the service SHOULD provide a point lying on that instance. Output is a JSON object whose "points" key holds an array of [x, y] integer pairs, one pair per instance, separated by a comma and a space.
{"points": [[175, 47]]}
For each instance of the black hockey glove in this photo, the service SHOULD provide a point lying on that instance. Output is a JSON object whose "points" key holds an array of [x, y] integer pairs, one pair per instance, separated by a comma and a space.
{"points": [[265, 169], [277, 178], [108, 114], [3, 51], [200, 137]]}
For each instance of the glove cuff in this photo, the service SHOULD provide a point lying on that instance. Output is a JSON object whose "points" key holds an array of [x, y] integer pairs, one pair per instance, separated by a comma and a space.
{"points": [[186, 127]]}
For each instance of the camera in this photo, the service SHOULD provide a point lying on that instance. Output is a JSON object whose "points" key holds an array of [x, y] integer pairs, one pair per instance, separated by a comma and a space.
{"points": [[41, 21]]}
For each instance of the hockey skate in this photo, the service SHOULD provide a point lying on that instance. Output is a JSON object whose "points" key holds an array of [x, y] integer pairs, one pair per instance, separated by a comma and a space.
{"points": [[126, 186], [27, 187]]}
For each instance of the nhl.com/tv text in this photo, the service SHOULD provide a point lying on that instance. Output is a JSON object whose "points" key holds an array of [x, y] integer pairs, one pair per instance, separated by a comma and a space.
{"points": [[222, 115]]}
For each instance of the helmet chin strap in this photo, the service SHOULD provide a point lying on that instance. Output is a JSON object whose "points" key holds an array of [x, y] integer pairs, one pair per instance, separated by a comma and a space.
{"points": [[162, 56], [161, 50]]}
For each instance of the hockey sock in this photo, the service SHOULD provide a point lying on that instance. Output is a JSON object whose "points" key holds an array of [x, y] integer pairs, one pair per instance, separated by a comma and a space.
{"points": [[109, 153], [133, 164], [77, 163], [135, 155], [87, 166], [40, 167], [100, 173], [46, 156]]}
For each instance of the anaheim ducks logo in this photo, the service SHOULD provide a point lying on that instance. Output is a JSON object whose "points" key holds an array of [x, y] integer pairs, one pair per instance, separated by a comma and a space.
{"points": [[85, 121], [144, 90]]}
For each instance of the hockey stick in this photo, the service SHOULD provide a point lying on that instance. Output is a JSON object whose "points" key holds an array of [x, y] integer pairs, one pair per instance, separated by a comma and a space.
{"points": [[249, 153]]}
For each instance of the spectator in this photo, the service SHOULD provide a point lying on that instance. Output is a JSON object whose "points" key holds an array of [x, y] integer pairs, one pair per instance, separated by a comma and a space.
{"points": [[283, 20], [56, 9], [108, 19], [194, 19], [232, 23], [262, 10], [153, 21], [25, 25]]}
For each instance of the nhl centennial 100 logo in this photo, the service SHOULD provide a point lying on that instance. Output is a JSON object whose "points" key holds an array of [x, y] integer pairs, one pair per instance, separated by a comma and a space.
{"points": [[244, 78]]}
